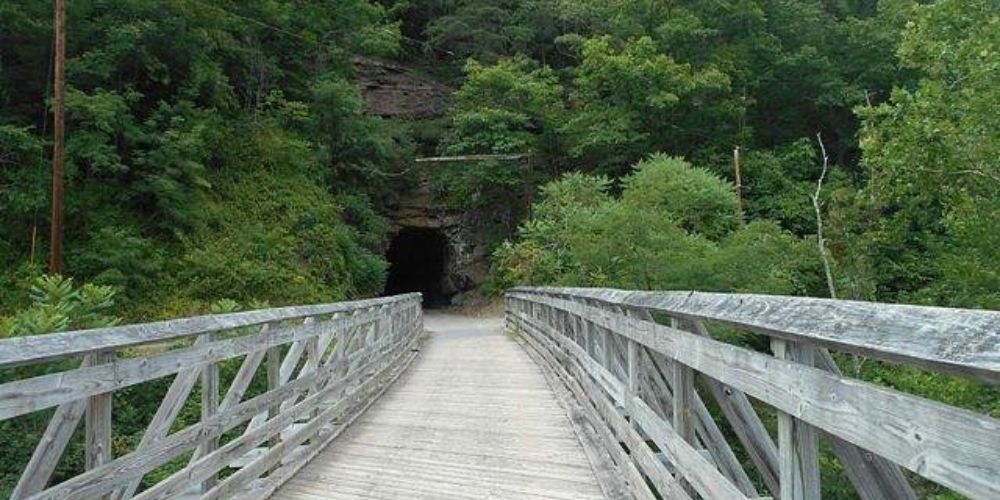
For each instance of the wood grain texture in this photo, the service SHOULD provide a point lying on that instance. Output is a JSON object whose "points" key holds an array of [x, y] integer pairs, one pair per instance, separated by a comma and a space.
{"points": [[24, 350], [637, 459], [472, 417], [798, 442], [964, 342], [24, 396], [316, 390], [707, 480], [954, 447]]}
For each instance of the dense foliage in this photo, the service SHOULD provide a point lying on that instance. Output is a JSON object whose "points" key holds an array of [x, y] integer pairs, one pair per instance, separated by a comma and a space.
{"points": [[901, 97], [211, 151], [219, 156]]}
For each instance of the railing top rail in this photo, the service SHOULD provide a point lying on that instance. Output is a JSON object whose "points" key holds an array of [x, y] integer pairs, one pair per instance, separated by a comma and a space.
{"points": [[964, 342], [25, 350]]}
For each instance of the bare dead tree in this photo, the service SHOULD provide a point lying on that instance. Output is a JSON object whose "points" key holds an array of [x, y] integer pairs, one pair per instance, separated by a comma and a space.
{"points": [[820, 239]]}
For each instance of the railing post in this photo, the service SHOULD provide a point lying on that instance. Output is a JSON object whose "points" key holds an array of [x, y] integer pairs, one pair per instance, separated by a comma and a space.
{"points": [[98, 421], [632, 358], [273, 381], [683, 387], [682, 379], [798, 444], [209, 407]]}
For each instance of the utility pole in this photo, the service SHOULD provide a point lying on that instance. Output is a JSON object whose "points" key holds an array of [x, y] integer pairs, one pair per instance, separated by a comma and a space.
{"points": [[59, 127], [739, 180]]}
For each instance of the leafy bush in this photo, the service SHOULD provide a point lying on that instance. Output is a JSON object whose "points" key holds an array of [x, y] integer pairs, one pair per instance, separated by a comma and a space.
{"points": [[59, 305], [674, 226], [694, 197]]}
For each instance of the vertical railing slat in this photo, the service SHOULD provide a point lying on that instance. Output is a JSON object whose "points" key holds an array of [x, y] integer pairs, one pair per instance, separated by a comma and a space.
{"points": [[798, 443]]}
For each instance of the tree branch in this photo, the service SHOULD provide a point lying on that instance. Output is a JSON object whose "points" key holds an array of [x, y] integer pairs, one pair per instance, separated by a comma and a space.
{"points": [[820, 240]]}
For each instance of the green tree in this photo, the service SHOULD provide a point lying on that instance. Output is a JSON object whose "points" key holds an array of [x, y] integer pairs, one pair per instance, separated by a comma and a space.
{"points": [[932, 152]]}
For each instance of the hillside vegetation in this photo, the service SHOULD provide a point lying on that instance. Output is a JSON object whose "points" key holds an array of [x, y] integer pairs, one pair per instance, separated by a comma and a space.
{"points": [[219, 156]]}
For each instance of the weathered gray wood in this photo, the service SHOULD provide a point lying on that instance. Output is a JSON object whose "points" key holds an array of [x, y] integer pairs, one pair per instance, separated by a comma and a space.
{"points": [[596, 439], [683, 395], [280, 476], [473, 418], [209, 408], [88, 392], [899, 426], [706, 428], [695, 468], [632, 385], [798, 443], [639, 455], [243, 379], [746, 424], [97, 421], [50, 448], [24, 396], [708, 481], [959, 341], [33, 349], [164, 417], [365, 391], [201, 468], [873, 477], [128, 467]]}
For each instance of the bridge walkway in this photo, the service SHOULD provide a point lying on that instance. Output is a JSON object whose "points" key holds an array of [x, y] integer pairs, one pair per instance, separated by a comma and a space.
{"points": [[472, 418]]}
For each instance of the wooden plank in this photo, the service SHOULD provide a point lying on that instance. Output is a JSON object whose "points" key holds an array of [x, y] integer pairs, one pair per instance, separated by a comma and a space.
{"points": [[462, 158], [128, 467], [166, 413], [197, 471], [50, 448], [365, 391], [873, 477], [585, 421], [798, 443], [962, 342], [746, 424], [706, 428], [24, 350], [695, 468], [97, 421], [273, 384], [900, 427], [632, 384], [699, 472], [683, 396], [276, 479], [209, 408], [25, 396], [603, 415], [239, 386]]}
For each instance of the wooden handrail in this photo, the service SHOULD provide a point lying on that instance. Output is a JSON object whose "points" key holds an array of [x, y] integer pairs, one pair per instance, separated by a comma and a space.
{"points": [[608, 348], [325, 364], [964, 342], [33, 349]]}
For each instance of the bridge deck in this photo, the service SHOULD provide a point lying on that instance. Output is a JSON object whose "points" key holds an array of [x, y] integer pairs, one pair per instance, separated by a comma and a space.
{"points": [[473, 418]]}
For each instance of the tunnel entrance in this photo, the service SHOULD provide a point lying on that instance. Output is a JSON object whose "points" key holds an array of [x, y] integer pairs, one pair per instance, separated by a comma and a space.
{"points": [[417, 259]]}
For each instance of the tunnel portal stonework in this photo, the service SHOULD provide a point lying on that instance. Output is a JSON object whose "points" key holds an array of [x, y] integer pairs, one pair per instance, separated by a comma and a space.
{"points": [[467, 231]]}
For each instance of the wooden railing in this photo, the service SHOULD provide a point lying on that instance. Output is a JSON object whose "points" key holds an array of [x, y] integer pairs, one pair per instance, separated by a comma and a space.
{"points": [[643, 366], [304, 373]]}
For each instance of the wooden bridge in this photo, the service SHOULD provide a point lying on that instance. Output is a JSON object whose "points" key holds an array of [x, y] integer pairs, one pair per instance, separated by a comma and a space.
{"points": [[611, 394]]}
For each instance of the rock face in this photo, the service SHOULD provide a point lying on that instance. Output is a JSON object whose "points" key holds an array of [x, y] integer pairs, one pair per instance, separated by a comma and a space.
{"points": [[466, 232], [392, 91]]}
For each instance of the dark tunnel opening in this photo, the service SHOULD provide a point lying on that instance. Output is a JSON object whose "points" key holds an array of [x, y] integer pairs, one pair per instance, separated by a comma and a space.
{"points": [[417, 259]]}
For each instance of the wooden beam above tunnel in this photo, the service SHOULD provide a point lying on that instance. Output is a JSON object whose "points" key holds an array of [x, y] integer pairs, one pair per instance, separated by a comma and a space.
{"points": [[489, 157]]}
